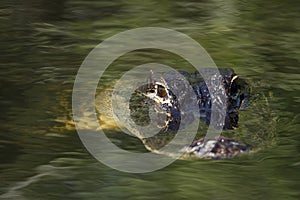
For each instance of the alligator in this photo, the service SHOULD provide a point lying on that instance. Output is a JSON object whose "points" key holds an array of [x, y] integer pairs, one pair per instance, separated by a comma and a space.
{"points": [[225, 89]]}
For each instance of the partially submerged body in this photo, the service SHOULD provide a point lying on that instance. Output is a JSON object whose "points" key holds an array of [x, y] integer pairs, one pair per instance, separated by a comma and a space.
{"points": [[220, 148], [177, 111]]}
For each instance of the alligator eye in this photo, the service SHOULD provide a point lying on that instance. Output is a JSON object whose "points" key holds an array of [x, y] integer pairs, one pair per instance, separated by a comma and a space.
{"points": [[150, 90], [161, 91]]}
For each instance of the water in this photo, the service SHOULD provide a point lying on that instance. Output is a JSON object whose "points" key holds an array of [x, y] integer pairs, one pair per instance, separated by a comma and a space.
{"points": [[42, 46]]}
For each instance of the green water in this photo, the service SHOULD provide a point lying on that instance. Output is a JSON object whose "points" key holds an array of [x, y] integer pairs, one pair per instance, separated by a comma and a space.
{"points": [[43, 44]]}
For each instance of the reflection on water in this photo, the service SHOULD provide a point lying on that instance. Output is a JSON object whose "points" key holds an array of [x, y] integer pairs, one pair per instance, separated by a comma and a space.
{"points": [[42, 46]]}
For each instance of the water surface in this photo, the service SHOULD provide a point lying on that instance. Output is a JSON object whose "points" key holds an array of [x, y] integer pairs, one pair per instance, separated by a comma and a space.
{"points": [[42, 46]]}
